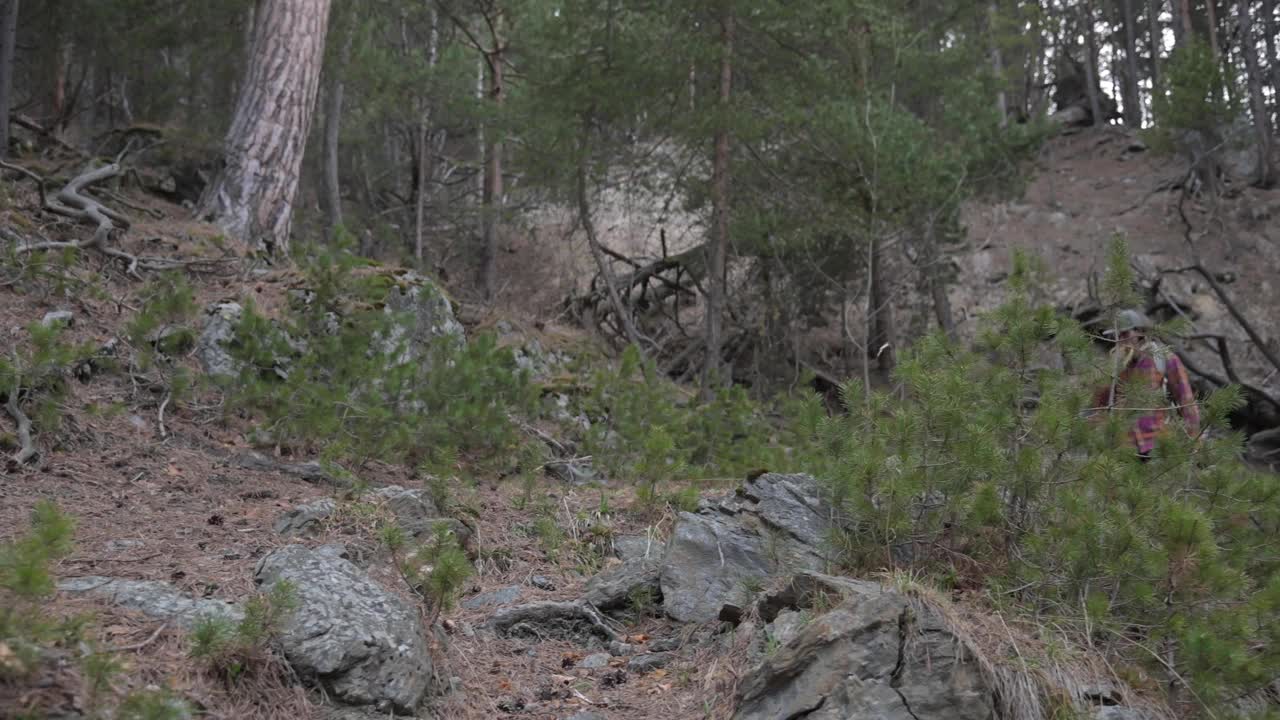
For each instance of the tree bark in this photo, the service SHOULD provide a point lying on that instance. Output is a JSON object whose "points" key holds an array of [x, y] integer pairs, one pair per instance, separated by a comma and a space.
{"points": [[1261, 122], [332, 134], [1090, 68], [424, 162], [997, 66], [718, 248], [1155, 41], [881, 342], [1270, 32], [1211, 11], [1188, 30], [1132, 99], [8, 40], [252, 196], [491, 199]]}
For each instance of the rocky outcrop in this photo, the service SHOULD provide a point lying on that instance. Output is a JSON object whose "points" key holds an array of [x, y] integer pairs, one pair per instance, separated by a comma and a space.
{"points": [[616, 587], [216, 337], [425, 317], [154, 599], [874, 656], [720, 554], [364, 644]]}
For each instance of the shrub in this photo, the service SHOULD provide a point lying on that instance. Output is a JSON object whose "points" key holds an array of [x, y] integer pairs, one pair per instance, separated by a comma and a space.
{"points": [[990, 469], [232, 649], [335, 373], [25, 583]]}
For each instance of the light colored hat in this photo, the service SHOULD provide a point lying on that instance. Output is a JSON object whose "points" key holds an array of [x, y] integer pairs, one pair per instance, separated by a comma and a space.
{"points": [[1128, 319]]}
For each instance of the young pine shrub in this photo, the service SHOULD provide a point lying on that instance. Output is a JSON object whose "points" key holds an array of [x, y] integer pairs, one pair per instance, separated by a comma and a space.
{"points": [[436, 569], [26, 582], [316, 379], [992, 470], [233, 649]]}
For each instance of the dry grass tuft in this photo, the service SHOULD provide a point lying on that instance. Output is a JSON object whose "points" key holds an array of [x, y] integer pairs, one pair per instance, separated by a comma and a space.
{"points": [[1036, 671]]}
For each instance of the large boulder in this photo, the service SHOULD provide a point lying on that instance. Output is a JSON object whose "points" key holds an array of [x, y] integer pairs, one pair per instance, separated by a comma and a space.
{"points": [[364, 644], [877, 655], [426, 317], [217, 335], [151, 598], [722, 554]]}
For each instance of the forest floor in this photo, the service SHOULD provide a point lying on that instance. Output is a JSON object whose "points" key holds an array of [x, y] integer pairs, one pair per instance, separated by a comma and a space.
{"points": [[172, 505]]}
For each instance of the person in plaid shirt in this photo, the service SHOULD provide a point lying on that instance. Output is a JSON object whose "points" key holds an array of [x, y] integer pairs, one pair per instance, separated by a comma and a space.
{"points": [[1141, 360]]}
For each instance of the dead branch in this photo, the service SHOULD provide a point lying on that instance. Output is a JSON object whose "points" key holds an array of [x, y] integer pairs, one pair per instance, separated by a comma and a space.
{"points": [[1217, 288], [584, 217], [27, 452], [38, 180], [140, 645]]}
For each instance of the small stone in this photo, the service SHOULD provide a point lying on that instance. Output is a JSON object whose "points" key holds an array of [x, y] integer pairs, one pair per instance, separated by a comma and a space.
{"points": [[645, 663], [542, 582], [595, 661], [116, 546], [231, 556], [501, 596], [665, 644], [586, 715], [65, 317], [618, 649]]}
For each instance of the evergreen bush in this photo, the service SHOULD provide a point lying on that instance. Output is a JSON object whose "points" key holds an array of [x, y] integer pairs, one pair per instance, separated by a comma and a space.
{"points": [[992, 470]]}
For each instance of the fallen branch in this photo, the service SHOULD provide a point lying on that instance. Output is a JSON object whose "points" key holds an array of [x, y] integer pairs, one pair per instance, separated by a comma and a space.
{"points": [[40, 184], [144, 643], [27, 452]]}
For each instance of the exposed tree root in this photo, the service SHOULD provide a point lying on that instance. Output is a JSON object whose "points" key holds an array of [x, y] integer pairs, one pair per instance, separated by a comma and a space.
{"points": [[73, 203], [27, 452]]}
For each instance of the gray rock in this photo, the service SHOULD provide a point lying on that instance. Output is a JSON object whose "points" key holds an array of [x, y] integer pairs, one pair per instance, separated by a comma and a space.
{"points": [[618, 648], [425, 316], [665, 644], [587, 715], [542, 582], [615, 587], [574, 472], [334, 550], [1116, 712], [726, 551], [217, 335], [501, 596], [631, 547], [365, 644], [596, 661], [154, 599], [418, 515], [872, 657], [310, 472], [647, 663], [786, 626], [305, 517], [65, 317]]}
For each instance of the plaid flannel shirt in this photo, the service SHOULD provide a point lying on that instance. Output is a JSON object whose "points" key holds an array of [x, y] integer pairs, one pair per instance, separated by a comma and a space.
{"points": [[1149, 425]]}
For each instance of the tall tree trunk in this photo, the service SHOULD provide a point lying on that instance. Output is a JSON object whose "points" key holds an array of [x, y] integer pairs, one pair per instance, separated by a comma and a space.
{"points": [[593, 242], [932, 261], [718, 248], [1188, 30], [252, 195], [1261, 122], [1155, 41], [1132, 99], [997, 65], [492, 196], [8, 40], [1211, 10], [425, 157], [881, 342], [1270, 31], [332, 134], [1090, 64]]}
